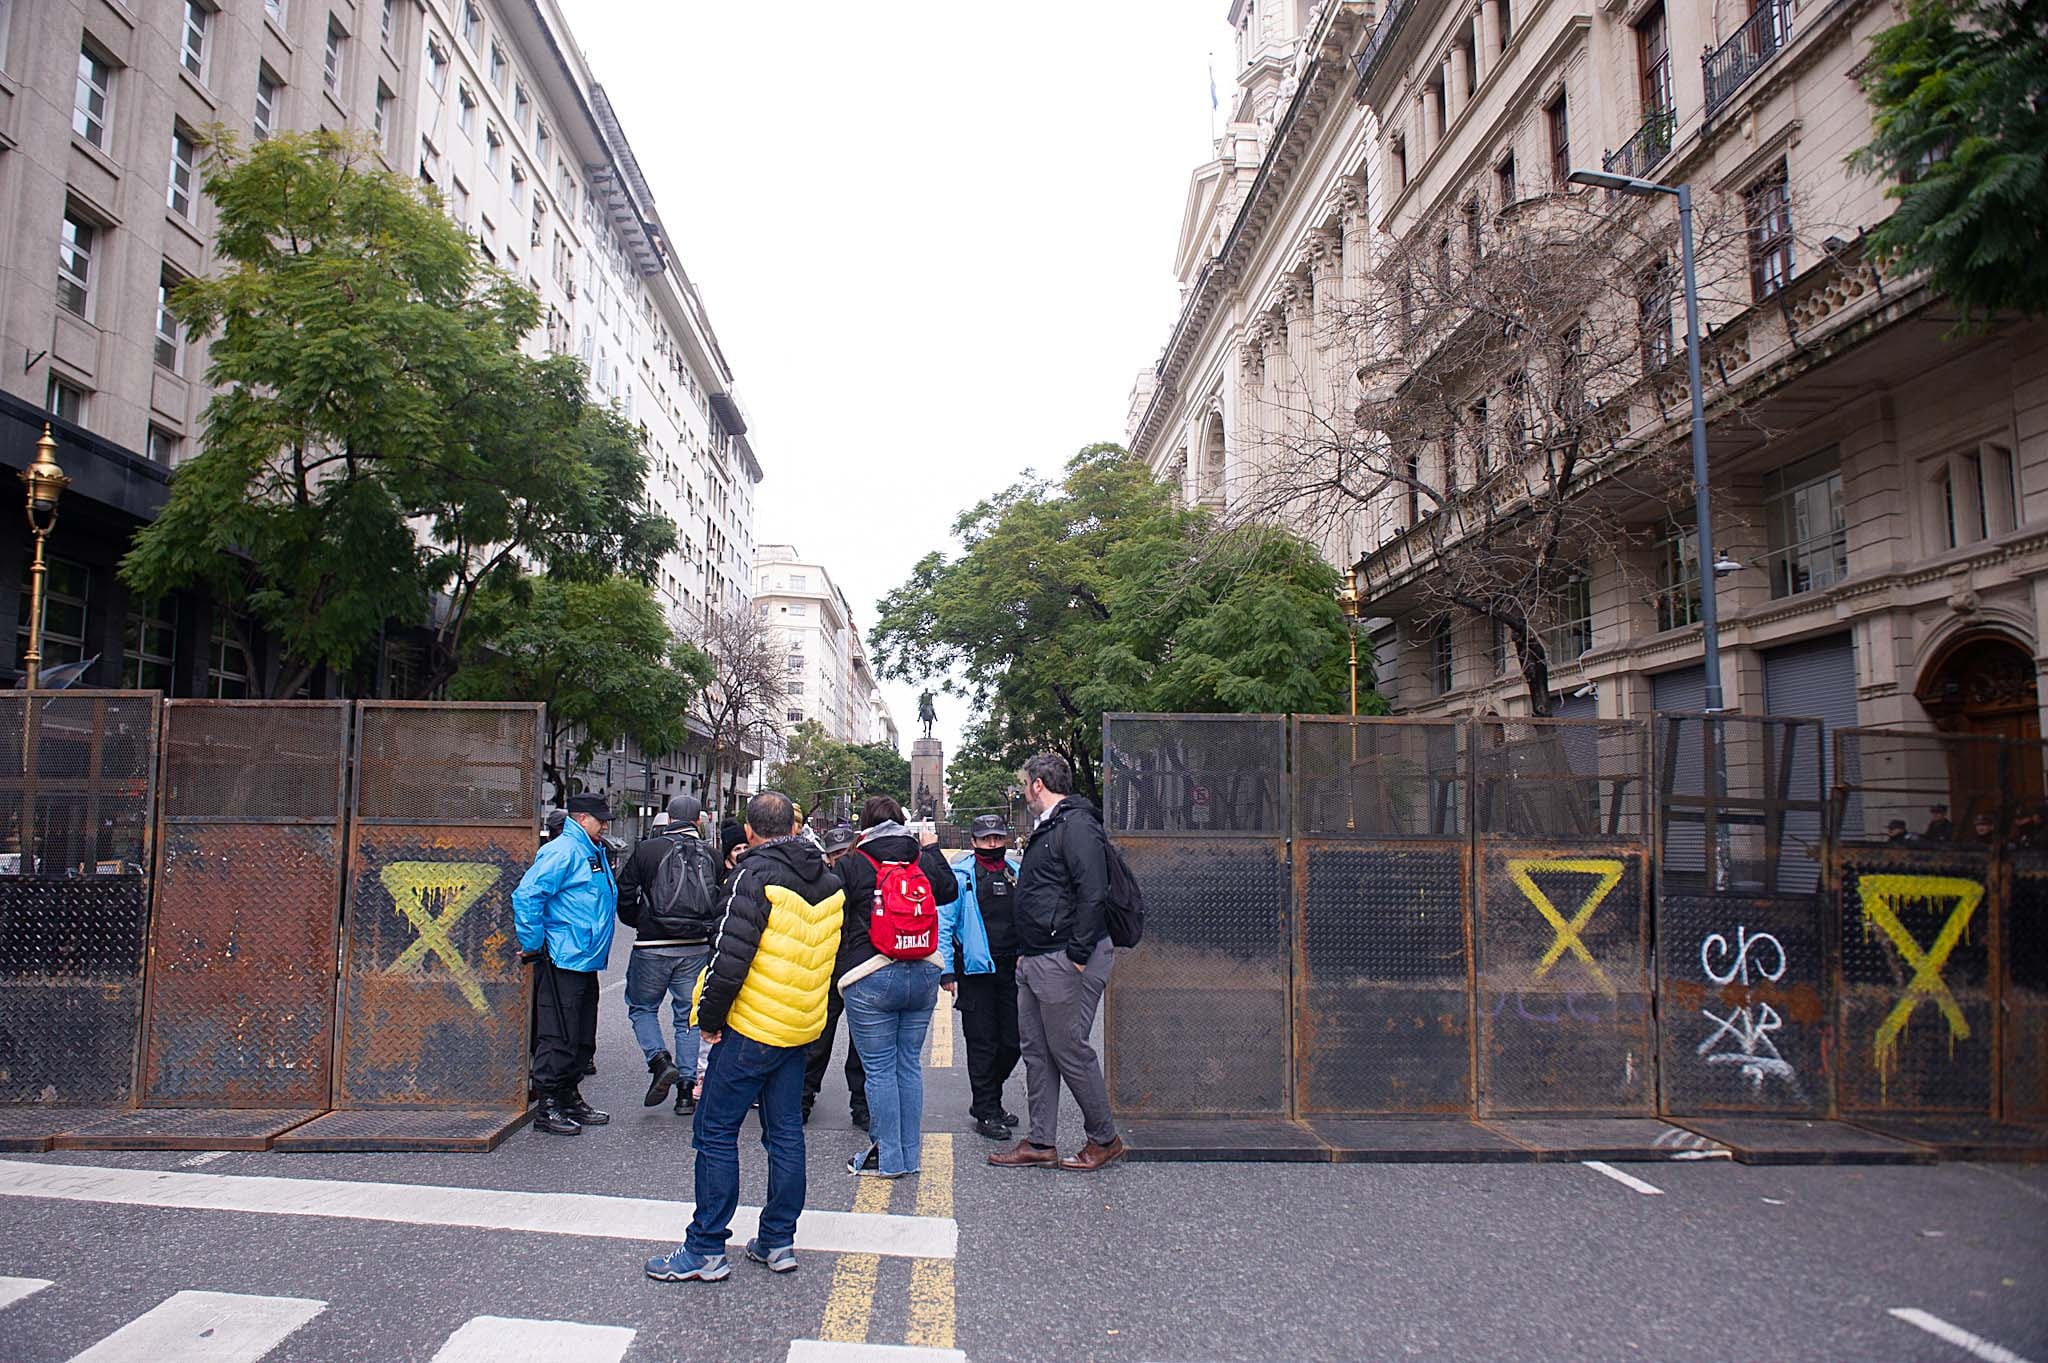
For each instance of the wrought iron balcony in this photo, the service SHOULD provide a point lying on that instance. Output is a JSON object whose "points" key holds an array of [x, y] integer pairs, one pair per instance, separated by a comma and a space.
{"points": [[1651, 144], [1747, 49]]}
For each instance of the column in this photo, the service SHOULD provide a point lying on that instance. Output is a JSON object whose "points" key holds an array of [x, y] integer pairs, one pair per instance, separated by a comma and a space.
{"points": [[1489, 27], [1462, 68], [1453, 96], [1482, 48]]}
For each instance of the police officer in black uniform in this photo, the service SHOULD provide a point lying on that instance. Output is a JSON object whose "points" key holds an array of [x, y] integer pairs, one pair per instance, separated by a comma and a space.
{"points": [[984, 969]]}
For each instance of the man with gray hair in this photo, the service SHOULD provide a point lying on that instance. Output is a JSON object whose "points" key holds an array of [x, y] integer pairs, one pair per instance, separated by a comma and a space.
{"points": [[668, 896]]}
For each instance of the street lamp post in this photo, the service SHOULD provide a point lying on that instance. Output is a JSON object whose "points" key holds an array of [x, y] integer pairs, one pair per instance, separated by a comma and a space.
{"points": [[1349, 601], [46, 483]]}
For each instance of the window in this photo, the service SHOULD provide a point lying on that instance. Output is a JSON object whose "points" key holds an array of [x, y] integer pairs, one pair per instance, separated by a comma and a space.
{"points": [[1572, 636], [1478, 420], [1678, 576], [333, 62], [799, 582], [387, 22], [465, 110], [65, 400], [796, 662], [1558, 117], [797, 608], [1474, 243], [198, 21], [499, 66], [149, 643], [6, 13], [794, 716], [518, 185], [165, 447], [1767, 208], [796, 688], [268, 88], [472, 24], [540, 142], [1507, 23], [275, 9], [522, 107], [381, 117], [1976, 495], [1653, 317], [1653, 59], [1504, 181], [168, 334], [437, 66], [67, 591], [494, 148], [227, 667], [184, 155], [74, 263], [458, 203], [1803, 519], [92, 102], [1442, 658]]}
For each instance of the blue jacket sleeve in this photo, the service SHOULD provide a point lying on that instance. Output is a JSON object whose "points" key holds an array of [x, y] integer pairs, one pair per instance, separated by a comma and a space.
{"points": [[530, 899], [949, 918]]}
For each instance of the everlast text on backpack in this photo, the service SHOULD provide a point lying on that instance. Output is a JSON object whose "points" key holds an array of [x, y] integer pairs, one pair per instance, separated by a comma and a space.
{"points": [[1125, 912], [904, 923], [683, 883]]}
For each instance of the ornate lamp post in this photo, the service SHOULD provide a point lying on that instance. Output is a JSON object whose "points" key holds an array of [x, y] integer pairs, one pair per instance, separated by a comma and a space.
{"points": [[1351, 603], [46, 483]]}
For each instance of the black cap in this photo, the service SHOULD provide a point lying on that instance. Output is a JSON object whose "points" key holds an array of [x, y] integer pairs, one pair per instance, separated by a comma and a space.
{"points": [[839, 837], [593, 805], [989, 826], [684, 809]]}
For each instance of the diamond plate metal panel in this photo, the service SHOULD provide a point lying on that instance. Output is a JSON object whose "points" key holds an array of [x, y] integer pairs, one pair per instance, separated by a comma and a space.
{"points": [[2025, 941], [1383, 983], [184, 1129], [1745, 1004], [389, 1129], [1196, 1020], [1563, 959]]}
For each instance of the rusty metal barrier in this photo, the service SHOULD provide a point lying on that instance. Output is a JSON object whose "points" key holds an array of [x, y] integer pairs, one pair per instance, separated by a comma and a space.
{"points": [[1745, 991], [1196, 1020], [77, 771], [1382, 957], [1561, 909], [240, 1000]]}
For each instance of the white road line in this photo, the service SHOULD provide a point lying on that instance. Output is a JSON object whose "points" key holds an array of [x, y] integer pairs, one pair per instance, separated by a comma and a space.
{"points": [[203, 1157], [1975, 1345], [13, 1290], [823, 1351], [1626, 1180], [205, 1327], [584, 1214], [506, 1339]]}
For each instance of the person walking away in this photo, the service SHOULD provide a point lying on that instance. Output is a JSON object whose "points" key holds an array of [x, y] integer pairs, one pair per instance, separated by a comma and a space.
{"points": [[759, 1006], [895, 884], [668, 896], [562, 914], [839, 841], [1063, 965], [982, 970]]}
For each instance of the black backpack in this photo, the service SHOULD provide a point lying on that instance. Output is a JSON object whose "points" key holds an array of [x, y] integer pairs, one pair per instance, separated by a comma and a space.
{"points": [[1126, 915], [684, 882]]}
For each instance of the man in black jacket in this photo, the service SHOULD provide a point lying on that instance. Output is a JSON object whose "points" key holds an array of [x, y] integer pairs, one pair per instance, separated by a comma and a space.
{"points": [[1063, 964], [672, 942]]}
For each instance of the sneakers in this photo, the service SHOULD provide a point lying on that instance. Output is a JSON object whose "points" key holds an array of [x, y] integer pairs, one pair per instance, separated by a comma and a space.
{"points": [[867, 1161], [991, 1128], [666, 1077], [679, 1265], [554, 1119], [583, 1113], [781, 1259]]}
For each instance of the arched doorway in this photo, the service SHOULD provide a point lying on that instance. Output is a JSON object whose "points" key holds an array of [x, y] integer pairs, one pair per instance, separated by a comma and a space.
{"points": [[1983, 684]]}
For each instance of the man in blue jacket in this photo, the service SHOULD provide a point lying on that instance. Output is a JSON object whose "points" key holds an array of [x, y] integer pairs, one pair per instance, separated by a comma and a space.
{"points": [[982, 924], [562, 912]]}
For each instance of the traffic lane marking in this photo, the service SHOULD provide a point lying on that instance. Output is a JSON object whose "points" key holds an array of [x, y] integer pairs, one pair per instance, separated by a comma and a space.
{"points": [[505, 1339], [205, 1327], [1975, 1345], [931, 1280], [13, 1290], [850, 1304], [1625, 1180], [579, 1214]]}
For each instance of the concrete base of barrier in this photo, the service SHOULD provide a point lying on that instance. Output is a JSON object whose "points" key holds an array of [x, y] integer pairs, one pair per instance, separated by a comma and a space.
{"points": [[406, 1129], [32, 1129], [1963, 1138], [1793, 1140], [185, 1128]]}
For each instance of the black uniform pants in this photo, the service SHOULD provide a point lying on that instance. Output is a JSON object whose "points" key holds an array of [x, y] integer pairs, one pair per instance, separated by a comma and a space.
{"points": [[565, 1027], [821, 1056], [988, 1019]]}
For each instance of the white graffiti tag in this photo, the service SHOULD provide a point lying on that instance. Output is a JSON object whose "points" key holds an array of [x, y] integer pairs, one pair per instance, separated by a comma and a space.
{"points": [[1754, 1053], [1738, 958]]}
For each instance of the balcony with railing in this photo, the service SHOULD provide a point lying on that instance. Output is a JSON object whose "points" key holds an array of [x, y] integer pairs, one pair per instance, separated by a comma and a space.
{"points": [[1760, 38], [1641, 153]]}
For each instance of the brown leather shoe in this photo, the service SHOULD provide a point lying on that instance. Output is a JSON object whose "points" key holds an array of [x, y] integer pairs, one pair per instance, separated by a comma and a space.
{"points": [[1091, 1156], [1024, 1155]]}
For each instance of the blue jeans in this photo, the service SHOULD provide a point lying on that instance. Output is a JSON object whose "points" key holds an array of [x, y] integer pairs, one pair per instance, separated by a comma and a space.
{"points": [[741, 1070], [888, 1013], [652, 972]]}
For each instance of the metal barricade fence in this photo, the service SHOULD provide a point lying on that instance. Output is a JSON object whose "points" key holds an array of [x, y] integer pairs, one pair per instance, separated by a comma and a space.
{"points": [[2024, 946]]}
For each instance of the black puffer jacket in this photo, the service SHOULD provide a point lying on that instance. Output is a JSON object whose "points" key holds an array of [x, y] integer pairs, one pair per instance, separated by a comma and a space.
{"points": [[770, 979], [1063, 885], [883, 842], [686, 925]]}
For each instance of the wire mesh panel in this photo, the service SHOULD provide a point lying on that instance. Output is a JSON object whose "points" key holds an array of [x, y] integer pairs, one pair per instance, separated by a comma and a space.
{"points": [[1203, 776], [2024, 937], [77, 774], [434, 1001], [1382, 981], [1744, 985], [1196, 1020], [1918, 890], [248, 897], [1561, 921]]}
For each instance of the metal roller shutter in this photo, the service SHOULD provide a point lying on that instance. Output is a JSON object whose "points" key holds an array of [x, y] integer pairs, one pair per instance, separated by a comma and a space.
{"points": [[1815, 678]]}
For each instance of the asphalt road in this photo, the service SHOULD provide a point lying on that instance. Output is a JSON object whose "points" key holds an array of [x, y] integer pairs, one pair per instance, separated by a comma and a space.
{"points": [[1142, 1262]]}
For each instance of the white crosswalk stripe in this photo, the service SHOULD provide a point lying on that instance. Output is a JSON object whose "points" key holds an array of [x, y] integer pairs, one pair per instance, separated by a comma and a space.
{"points": [[13, 1290], [205, 1327], [503, 1339]]}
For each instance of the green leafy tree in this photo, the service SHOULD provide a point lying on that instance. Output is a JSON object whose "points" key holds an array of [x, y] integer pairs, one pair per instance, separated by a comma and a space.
{"points": [[1096, 593], [815, 768], [978, 777], [883, 771], [368, 380], [1960, 94], [598, 654]]}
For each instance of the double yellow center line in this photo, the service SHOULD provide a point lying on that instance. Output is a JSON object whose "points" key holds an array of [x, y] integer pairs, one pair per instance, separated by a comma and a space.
{"points": [[850, 1305]]}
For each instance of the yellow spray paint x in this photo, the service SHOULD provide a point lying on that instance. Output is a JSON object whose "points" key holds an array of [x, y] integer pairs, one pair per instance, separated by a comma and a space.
{"points": [[1879, 894], [1606, 873], [433, 895]]}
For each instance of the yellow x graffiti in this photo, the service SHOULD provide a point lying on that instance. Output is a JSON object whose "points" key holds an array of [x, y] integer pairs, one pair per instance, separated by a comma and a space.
{"points": [[1606, 873], [1878, 895], [433, 895]]}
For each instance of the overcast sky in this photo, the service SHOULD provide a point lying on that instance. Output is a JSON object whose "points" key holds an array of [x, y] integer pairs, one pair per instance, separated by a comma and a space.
{"points": [[935, 239]]}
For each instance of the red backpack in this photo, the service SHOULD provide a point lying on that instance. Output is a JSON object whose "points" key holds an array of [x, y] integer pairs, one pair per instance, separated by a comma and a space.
{"points": [[904, 924]]}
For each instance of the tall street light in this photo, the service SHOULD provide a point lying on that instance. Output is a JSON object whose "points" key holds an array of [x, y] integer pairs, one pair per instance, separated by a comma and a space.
{"points": [[1350, 602], [46, 483], [1712, 565]]}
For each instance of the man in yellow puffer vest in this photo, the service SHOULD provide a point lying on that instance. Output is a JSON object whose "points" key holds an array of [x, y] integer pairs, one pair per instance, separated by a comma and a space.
{"points": [[760, 1003]]}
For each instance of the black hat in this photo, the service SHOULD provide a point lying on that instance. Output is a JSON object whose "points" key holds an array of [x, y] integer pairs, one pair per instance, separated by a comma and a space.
{"points": [[556, 818], [684, 809], [730, 835], [593, 805], [839, 837], [989, 826]]}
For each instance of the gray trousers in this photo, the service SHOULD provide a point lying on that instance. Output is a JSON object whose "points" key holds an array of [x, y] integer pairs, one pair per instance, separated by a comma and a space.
{"points": [[1055, 1012]]}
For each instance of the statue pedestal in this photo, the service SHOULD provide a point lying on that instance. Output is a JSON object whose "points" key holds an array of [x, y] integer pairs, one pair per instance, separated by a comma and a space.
{"points": [[928, 774]]}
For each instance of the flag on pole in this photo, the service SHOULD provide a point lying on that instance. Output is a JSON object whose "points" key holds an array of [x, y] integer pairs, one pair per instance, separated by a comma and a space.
{"points": [[1212, 83]]}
